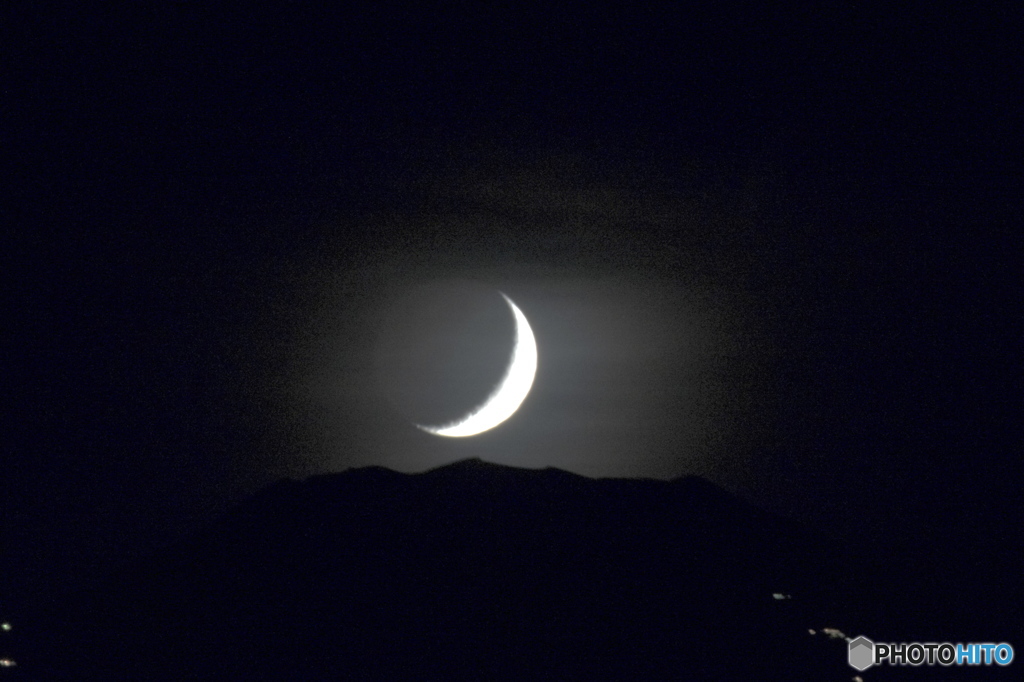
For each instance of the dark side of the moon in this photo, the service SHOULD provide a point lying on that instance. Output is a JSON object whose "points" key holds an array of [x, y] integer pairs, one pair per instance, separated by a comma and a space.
{"points": [[442, 349]]}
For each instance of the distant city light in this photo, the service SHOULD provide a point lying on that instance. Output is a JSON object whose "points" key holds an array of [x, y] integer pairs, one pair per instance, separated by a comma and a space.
{"points": [[7, 663], [6, 627]]}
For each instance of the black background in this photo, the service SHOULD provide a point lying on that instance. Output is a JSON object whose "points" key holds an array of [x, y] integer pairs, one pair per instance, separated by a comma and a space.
{"points": [[187, 186]]}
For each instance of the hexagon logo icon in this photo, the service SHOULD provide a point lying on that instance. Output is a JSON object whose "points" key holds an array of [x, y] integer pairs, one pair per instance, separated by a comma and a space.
{"points": [[862, 653]]}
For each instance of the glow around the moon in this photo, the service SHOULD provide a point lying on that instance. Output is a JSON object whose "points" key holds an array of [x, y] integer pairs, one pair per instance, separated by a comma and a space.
{"points": [[511, 390]]}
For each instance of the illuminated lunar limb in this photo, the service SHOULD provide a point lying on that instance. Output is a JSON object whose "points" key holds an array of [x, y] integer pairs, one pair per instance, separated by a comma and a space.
{"points": [[510, 392]]}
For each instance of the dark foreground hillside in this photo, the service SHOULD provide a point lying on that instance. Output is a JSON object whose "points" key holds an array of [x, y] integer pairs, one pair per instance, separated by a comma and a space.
{"points": [[470, 571]]}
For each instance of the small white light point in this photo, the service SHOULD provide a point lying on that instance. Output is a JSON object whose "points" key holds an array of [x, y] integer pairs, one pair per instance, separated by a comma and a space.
{"points": [[6, 627], [7, 663]]}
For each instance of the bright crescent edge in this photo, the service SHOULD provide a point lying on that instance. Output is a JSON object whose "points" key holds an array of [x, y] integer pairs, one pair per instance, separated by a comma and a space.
{"points": [[511, 391]]}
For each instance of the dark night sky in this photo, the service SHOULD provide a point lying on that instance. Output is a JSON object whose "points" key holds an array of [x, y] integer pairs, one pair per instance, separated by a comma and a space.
{"points": [[773, 249]]}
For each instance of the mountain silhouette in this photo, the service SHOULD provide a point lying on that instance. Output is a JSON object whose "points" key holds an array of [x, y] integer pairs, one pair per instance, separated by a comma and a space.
{"points": [[469, 571]]}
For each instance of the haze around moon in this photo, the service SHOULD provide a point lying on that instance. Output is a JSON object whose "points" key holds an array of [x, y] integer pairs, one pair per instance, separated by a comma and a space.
{"points": [[510, 392]]}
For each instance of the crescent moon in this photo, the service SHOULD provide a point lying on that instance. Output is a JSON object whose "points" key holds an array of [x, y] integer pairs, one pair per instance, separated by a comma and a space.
{"points": [[510, 392]]}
